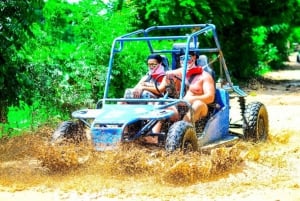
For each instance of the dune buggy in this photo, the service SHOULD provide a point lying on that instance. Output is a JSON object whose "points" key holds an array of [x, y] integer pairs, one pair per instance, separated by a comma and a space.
{"points": [[107, 122]]}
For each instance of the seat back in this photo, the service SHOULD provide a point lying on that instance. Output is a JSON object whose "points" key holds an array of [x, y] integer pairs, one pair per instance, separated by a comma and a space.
{"points": [[177, 50], [165, 62], [203, 61]]}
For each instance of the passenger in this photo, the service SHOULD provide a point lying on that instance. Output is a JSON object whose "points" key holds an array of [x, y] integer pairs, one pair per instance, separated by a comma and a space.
{"points": [[200, 88]]}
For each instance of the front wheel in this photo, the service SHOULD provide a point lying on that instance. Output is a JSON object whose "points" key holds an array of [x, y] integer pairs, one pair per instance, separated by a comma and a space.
{"points": [[69, 131], [256, 124], [181, 135]]}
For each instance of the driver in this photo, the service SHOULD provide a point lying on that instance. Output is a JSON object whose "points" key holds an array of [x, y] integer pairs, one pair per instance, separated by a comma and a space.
{"points": [[153, 84]]}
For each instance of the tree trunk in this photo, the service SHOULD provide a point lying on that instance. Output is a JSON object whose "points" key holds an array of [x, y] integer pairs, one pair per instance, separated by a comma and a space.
{"points": [[3, 113]]}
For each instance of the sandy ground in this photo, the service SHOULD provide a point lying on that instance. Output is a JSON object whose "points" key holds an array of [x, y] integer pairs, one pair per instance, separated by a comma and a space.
{"points": [[270, 171]]}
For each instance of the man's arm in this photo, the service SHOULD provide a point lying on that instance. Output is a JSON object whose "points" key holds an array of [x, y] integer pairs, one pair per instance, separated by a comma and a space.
{"points": [[176, 72], [209, 89]]}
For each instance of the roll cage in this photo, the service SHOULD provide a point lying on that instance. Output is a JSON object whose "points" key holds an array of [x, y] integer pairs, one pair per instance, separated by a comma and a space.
{"points": [[158, 33]]}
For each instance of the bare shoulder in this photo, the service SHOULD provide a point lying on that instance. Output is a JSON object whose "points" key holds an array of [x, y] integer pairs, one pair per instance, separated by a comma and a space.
{"points": [[206, 75]]}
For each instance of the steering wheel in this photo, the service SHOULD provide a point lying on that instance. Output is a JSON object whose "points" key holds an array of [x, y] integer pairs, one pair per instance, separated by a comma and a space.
{"points": [[174, 87], [170, 88], [156, 85]]}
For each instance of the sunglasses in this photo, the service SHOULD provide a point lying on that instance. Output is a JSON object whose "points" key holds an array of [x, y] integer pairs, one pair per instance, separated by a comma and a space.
{"points": [[182, 57], [152, 65]]}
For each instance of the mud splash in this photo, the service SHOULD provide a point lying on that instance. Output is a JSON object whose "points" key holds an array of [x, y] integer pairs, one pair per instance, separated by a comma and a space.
{"points": [[28, 159], [30, 162]]}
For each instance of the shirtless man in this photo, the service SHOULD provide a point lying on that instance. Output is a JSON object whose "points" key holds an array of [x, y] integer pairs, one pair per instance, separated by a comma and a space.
{"points": [[200, 87]]}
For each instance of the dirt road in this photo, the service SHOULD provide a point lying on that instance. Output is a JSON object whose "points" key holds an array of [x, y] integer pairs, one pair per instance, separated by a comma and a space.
{"points": [[31, 170]]}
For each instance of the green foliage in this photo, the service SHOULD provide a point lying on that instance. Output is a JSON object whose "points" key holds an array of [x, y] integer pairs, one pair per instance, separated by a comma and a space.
{"points": [[295, 35], [28, 117], [65, 62], [159, 12], [270, 25], [265, 53], [235, 22], [67, 59], [15, 20]]}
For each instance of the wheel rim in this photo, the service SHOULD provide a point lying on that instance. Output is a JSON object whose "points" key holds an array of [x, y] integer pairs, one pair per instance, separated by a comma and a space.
{"points": [[261, 129]]}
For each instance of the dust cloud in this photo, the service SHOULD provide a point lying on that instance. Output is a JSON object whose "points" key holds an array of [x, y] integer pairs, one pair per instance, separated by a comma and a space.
{"points": [[30, 162]]}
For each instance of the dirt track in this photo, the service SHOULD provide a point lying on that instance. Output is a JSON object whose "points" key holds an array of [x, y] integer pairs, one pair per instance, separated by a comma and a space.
{"points": [[268, 171]]}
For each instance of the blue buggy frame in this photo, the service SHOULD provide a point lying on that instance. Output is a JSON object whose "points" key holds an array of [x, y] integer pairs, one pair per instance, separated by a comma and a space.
{"points": [[108, 121]]}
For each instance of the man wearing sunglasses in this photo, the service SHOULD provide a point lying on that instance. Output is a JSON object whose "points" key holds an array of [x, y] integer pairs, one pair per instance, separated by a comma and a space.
{"points": [[200, 87]]}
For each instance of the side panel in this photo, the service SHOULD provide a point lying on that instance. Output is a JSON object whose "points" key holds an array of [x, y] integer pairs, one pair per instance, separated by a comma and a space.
{"points": [[217, 127]]}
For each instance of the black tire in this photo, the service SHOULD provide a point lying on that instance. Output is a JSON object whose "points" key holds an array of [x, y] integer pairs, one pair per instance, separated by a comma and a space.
{"points": [[69, 131], [256, 127], [298, 57], [181, 135]]}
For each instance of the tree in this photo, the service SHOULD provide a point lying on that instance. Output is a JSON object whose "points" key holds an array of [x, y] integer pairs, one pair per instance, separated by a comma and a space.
{"points": [[253, 33], [68, 56], [15, 20], [260, 36]]}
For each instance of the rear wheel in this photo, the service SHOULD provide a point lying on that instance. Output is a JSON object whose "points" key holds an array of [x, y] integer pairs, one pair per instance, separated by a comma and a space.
{"points": [[256, 125], [181, 135], [69, 131]]}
